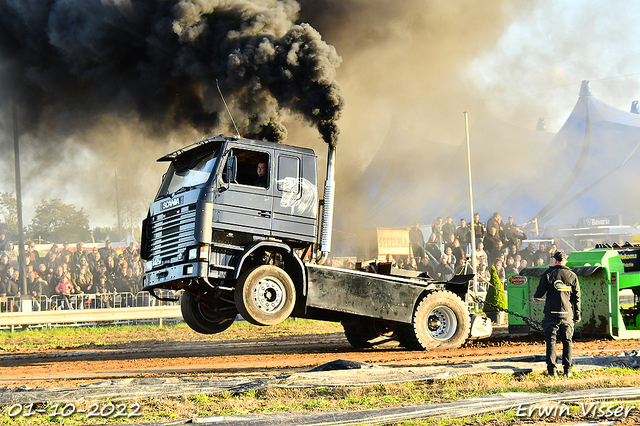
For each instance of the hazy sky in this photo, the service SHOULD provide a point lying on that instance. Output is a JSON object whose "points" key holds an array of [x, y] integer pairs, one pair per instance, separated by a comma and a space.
{"points": [[537, 65], [417, 64]]}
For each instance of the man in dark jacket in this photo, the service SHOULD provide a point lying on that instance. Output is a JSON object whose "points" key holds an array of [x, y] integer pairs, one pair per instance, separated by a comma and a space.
{"points": [[463, 234], [445, 271], [107, 251], [543, 254], [4, 242], [529, 254], [561, 310], [515, 236], [416, 238], [495, 221], [432, 248], [425, 266], [448, 228], [478, 228], [491, 240], [263, 175]]}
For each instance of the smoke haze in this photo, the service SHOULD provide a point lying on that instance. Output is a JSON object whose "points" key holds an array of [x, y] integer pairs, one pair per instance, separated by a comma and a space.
{"points": [[122, 72], [113, 84], [67, 62]]}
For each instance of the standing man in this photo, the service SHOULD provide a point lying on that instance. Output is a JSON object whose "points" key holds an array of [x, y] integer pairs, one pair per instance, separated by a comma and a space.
{"points": [[543, 254], [416, 238], [107, 251], [33, 254], [436, 229], [478, 228], [561, 311], [516, 238], [4, 243], [495, 221], [509, 231], [448, 229], [79, 253], [463, 234]]}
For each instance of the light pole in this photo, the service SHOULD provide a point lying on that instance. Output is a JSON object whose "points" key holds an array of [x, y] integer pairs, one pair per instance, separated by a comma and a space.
{"points": [[25, 304], [473, 236], [115, 171]]}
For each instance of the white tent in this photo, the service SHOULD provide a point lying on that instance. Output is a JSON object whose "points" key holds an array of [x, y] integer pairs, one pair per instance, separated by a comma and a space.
{"points": [[595, 167], [413, 178], [589, 168]]}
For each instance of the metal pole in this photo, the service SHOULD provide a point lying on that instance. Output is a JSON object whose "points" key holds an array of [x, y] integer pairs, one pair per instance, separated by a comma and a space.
{"points": [[115, 170], [473, 237], [26, 301]]}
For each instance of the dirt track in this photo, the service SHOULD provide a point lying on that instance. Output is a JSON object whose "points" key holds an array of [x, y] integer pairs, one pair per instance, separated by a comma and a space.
{"points": [[253, 357]]}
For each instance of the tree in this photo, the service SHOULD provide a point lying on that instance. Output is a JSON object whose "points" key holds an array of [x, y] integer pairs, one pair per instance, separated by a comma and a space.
{"points": [[58, 222], [100, 233], [495, 293], [134, 204], [9, 211]]}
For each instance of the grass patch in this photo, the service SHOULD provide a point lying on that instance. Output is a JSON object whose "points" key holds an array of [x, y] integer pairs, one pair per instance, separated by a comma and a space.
{"points": [[283, 400], [80, 337]]}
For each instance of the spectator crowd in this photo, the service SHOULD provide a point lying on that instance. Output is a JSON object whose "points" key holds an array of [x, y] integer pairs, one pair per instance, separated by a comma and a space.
{"points": [[70, 273], [447, 251]]}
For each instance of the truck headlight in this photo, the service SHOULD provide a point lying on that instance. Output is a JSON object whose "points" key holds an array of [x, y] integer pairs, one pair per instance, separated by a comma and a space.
{"points": [[201, 253]]}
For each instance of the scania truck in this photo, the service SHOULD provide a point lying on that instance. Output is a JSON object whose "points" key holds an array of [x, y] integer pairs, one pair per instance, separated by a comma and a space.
{"points": [[239, 228]]}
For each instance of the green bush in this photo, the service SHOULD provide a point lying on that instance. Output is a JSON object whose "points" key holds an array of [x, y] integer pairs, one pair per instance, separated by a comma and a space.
{"points": [[495, 293]]}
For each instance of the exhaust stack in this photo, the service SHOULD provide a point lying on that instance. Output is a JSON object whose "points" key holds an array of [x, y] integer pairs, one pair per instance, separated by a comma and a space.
{"points": [[327, 211]]}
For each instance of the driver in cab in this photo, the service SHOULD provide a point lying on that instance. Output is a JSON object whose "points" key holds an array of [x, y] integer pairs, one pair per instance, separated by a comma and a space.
{"points": [[263, 175]]}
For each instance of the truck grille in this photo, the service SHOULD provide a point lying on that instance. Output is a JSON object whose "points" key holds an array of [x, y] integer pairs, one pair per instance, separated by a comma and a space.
{"points": [[172, 232]]}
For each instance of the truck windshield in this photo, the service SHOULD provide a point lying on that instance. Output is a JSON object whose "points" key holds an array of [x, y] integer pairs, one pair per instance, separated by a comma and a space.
{"points": [[188, 170]]}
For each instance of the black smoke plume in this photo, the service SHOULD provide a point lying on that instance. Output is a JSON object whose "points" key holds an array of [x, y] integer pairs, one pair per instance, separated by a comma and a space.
{"points": [[66, 63]]}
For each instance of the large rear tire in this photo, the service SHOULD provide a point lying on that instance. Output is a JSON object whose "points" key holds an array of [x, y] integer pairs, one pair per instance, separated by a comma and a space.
{"points": [[440, 321], [201, 315], [363, 333], [265, 295]]}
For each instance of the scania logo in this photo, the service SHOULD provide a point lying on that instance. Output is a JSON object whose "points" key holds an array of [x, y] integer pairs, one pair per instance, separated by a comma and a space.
{"points": [[517, 279], [171, 203]]}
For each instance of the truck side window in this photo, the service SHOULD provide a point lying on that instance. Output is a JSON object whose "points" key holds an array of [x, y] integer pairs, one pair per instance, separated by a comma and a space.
{"points": [[254, 168], [288, 174]]}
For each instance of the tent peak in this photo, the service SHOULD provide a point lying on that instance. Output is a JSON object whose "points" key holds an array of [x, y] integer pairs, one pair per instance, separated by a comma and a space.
{"points": [[585, 89]]}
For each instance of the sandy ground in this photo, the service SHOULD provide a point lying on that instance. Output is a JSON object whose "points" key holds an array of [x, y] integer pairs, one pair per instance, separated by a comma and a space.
{"points": [[259, 357]]}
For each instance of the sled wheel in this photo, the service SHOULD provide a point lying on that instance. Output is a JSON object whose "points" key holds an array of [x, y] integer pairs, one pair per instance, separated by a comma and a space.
{"points": [[365, 333], [201, 314], [440, 321], [265, 295]]}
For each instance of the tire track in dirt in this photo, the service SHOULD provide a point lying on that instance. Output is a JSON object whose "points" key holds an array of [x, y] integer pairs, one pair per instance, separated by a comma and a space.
{"points": [[264, 357]]}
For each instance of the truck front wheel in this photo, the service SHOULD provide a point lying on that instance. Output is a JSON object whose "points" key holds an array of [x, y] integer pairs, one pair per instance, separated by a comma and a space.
{"points": [[201, 315], [265, 295], [440, 321]]}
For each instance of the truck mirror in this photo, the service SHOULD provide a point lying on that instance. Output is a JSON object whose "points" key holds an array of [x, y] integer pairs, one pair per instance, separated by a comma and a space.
{"points": [[232, 169]]}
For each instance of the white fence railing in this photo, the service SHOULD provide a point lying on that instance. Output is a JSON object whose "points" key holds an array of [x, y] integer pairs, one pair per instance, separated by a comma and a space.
{"points": [[87, 309]]}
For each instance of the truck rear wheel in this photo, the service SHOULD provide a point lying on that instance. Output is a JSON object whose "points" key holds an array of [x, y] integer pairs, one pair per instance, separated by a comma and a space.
{"points": [[440, 321], [265, 295], [365, 333], [201, 315]]}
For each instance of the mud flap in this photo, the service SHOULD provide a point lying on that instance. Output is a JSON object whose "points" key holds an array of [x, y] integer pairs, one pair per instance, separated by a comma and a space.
{"points": [[481, 327]]}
